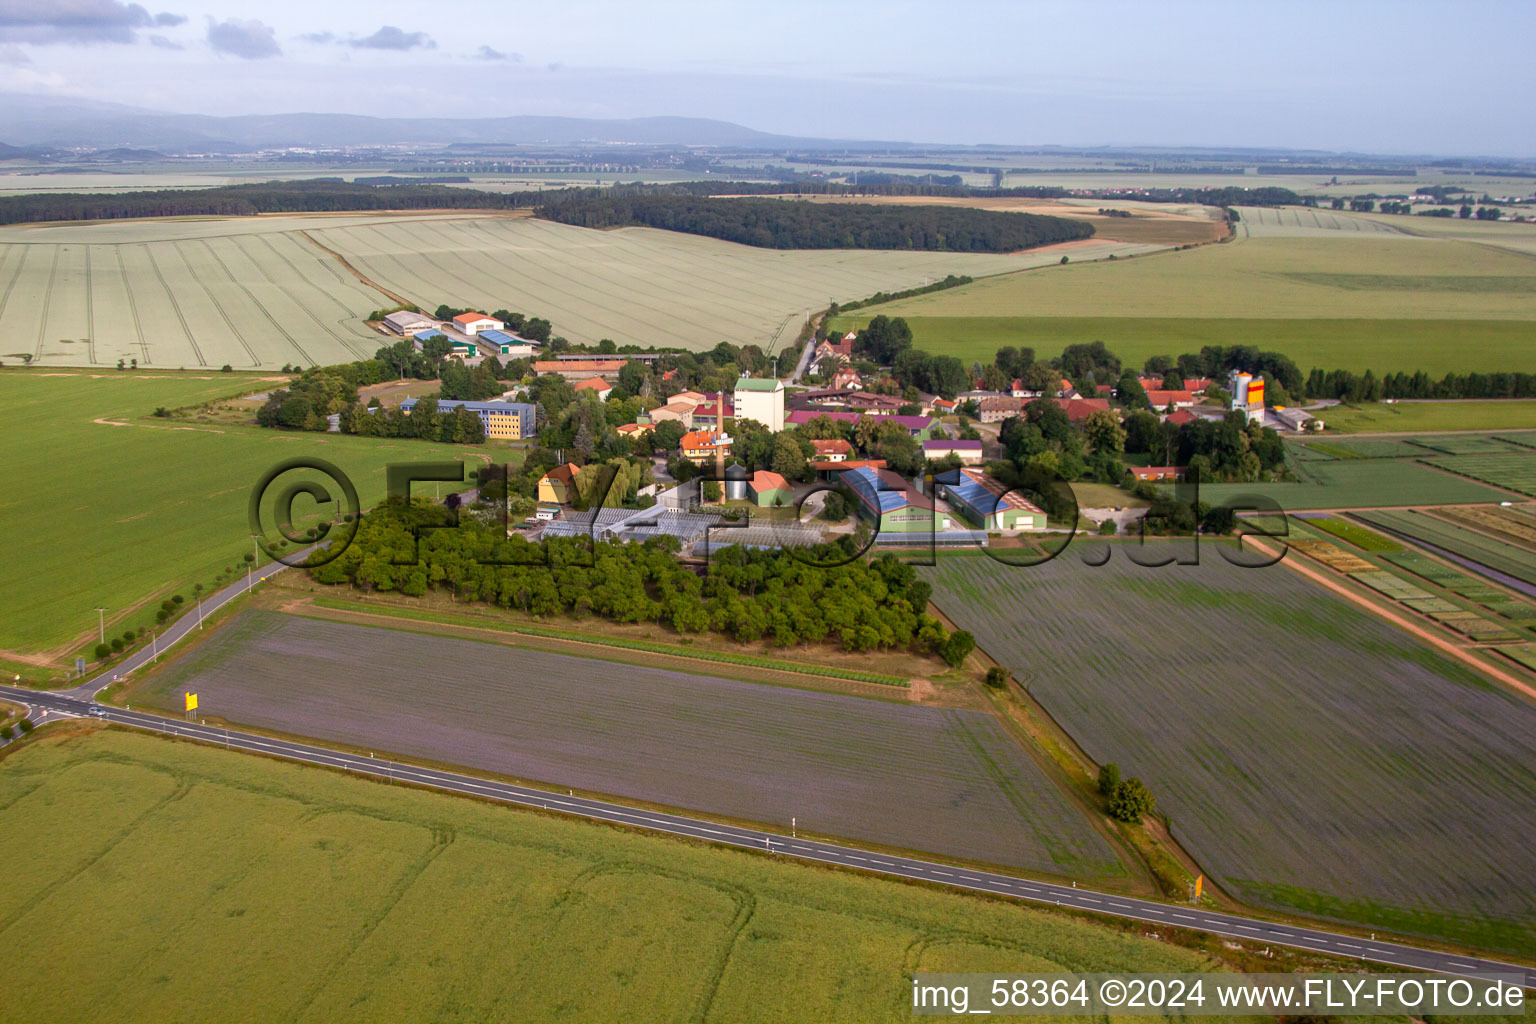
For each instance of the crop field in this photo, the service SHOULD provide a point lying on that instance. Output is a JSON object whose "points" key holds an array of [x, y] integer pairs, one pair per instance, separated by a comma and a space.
{"points": [[1310, 222], [253, 299], [1310, 756], [1459, 540], [647, 287], [1350, 303], [1413, 416], [932, 779], [1360, 483], [1372, 449], [106, 505], [1513, 469], [186, 883]]}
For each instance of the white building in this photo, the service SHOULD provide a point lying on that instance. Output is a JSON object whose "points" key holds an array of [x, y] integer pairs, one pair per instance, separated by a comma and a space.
{"points": [[405, 323], [472, 323], [760, 399]]}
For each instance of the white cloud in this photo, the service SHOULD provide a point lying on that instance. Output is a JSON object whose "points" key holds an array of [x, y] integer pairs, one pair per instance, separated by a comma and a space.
{"points": [[391, 38], [249, 40], [44, 22]]}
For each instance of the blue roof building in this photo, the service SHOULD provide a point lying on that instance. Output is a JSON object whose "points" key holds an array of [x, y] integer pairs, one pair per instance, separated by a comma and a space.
{"points": [[508, 421]]}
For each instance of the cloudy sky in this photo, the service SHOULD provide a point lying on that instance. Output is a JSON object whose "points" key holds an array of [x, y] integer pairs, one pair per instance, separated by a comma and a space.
{"points": [[1400, 77]]}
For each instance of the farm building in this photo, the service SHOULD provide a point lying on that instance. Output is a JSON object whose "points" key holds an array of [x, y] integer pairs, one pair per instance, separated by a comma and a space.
{"points": [[968, 452], [1247, 394], [760, 399], [700, 446], [507, 421], [832, 450], [557, 486], [507, 344], [769, 489], [1079, 409], [878, 405], [885, 498], [597, 384], [1286, 418], [989, 503], [474, 323], [406, 323], [580, 369], [1179, 417]]}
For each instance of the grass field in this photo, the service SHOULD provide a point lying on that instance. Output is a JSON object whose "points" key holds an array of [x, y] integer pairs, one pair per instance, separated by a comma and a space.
{"points": [[112, 512], [1497, 554], [939, 780], [1515, 470], [1308, 755], [178, 882], [643, 286], [1347, 302], [1415, 416], [1360, 483]]}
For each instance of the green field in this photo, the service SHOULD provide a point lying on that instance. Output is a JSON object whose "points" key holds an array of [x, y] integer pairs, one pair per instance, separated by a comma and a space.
{"points": [[1516, 561], [149, 880], [105, 514], [1414, 416], [1354, 534], [1307, 754], [1515, 470], [1352, 303], [1359, 483]]}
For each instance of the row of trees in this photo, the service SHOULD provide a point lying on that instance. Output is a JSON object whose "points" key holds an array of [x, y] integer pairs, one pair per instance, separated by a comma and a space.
{"points": [[749, 596], [779, 224]]}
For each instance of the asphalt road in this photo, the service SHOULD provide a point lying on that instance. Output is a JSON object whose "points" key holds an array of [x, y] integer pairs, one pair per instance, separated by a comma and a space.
{"points": [[1250, 930]]}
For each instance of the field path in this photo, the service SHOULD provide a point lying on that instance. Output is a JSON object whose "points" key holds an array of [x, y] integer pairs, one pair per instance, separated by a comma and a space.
{"points": [[1461, 654], [339, 258]]}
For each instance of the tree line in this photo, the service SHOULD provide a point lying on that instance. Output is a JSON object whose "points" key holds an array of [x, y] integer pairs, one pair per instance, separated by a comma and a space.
{"points": [[748, 595], [783, 224]]}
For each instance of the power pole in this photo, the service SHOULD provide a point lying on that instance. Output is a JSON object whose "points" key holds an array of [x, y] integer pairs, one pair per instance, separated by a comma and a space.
{"points": [[101, 622]]}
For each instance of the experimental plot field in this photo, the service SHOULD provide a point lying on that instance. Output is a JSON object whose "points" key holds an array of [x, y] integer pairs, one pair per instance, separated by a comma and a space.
{"points": [[191, 884], [107, 505], [1324, 483], [1514, 470], [1354, 303], [932, 779], [1308, 755], [1495, 553], [249, 299], [648, 287]]}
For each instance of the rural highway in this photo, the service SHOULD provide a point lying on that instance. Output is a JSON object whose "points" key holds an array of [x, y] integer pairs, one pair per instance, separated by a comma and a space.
{"points": [[1250, 930]]}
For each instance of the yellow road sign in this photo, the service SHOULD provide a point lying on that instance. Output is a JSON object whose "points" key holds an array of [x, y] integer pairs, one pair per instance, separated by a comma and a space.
{"points": [[1199, 885], [191, 702]]}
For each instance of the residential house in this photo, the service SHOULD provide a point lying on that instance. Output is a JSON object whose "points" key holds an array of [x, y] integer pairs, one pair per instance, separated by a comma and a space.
{"points": [[769, 489], [597, 384], [1161, 399], [558, 486], [1179, 417], [1018, 390], [996, 408], [1079, 409], [629, 430], [942, 407], [1068, 389], [707, 414], [835, 450], [836, 351], [1156, 473], [1197, 385], [847, 377], [701, 446], [987, 503], [680, 412]]}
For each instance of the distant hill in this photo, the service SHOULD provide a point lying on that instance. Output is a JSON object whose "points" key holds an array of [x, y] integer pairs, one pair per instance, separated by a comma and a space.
{"points": [[27, 120]]}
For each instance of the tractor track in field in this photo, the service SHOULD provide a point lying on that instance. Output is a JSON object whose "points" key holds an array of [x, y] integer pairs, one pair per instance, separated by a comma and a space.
{"points": [[171, 296]]}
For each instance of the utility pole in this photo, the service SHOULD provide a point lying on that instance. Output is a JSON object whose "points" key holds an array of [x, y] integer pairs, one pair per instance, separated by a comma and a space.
{"points": [[101, 622]]}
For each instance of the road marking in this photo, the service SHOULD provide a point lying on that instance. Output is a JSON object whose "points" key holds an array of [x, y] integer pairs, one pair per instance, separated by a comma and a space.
{"points": [[936, 871], [1186, 917], [1087, 899]]}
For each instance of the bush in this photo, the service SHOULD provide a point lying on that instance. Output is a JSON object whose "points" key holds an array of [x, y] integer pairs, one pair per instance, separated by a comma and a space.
{"points": [[26, 726], [177, 599], [117, 643], [997, 677], [1131, 801], [226, 368], [6, 734], [128, 636], [162, 615], [1108, 528], [103, 651], [1109, 778], [958, 647]]}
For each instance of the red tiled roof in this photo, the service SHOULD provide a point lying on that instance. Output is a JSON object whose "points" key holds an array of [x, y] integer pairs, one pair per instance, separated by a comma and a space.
{"points": [[469, 318], [832, 447], [593, 384], [1081, 408], [696, 439], [578, 365], [1160, 399], [1179, 417], [764, 480]]}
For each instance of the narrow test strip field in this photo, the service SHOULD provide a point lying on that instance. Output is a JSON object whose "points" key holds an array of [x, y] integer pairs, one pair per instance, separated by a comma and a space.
{"points": [[938, 780]]}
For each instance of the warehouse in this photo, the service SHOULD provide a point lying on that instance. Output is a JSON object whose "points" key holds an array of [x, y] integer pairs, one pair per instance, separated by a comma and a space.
{"points": [[887, 499], [406, 322]]}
